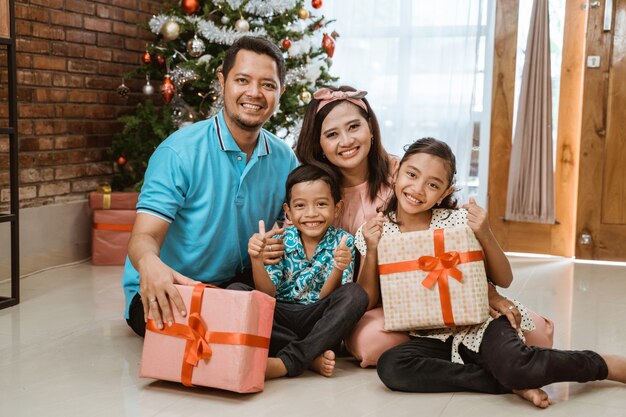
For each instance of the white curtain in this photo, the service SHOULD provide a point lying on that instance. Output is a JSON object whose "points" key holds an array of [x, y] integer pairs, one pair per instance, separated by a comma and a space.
{"points": [[422, 62]]}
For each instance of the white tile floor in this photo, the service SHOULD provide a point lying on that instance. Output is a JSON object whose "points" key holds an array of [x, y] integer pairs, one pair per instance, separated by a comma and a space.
{"points": [[65, 351]]}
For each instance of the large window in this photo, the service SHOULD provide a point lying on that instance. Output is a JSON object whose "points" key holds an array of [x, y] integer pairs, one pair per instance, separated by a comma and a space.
{"points": [[424, 65]]}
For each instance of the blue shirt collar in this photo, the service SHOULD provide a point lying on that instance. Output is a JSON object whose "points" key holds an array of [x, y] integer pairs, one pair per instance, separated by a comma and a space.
{"points": [[227, 143]]}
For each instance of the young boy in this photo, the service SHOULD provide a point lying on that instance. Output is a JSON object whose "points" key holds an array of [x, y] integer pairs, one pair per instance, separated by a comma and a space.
{"points": [[317, 302]]}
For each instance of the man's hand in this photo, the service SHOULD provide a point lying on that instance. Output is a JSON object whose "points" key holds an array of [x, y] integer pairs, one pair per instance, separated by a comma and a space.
{"points": [[156, 285], [343, 255]]}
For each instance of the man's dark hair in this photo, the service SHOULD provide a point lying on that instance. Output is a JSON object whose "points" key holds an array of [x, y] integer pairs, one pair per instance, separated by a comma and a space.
{"points": [[258, 45], [308, 173]]}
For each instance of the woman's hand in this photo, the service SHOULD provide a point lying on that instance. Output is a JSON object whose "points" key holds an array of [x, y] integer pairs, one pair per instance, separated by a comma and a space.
{"points": [[500, 305], [372, 231]]}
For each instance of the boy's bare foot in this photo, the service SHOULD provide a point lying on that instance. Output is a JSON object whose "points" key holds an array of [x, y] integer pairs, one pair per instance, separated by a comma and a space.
{"points": [[536, 396], [324, 364], [617, 367], [275, 368]]}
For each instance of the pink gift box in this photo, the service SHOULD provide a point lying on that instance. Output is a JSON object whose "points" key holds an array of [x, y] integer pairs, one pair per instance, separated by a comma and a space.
{"points": [[110, 236], [226, 333]]}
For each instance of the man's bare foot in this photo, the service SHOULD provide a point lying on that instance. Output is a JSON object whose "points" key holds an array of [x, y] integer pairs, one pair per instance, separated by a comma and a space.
{"points": [[275, 368], [324, 364], [536, 396], [617, 367]]}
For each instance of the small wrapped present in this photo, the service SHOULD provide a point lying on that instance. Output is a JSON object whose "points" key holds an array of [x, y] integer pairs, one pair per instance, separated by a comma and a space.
{"points": [[110, 235], [222, 343], [104, 199], [432, 279], [113, 219]]}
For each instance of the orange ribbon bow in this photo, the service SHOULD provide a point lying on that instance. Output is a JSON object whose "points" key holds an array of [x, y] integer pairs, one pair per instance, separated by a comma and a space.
{"points": [[198, 337], [440, 266]]}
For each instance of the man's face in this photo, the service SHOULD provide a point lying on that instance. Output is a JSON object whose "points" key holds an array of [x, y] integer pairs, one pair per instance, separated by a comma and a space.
{"points": [[251, 91]]}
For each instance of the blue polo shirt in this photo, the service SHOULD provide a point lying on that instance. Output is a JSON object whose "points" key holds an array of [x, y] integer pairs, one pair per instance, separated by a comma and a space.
{"points": [[198, 180]]}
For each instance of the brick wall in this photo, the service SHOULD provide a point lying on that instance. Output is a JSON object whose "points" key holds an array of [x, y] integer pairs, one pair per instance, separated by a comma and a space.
{"points": [[71, 55]]}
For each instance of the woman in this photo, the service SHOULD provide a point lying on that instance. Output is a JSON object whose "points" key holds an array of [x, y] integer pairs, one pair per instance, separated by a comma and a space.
{"points": [[340, 131]]}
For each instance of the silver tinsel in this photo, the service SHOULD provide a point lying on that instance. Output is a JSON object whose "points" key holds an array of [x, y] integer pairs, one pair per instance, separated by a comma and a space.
{"points": [[269, 7], [294, 76], [219, 101], [209, 31], [180, 76], [156, 23]]}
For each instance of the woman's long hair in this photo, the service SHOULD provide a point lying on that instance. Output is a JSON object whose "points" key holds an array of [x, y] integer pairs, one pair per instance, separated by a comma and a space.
{"points": [[309, 150]]}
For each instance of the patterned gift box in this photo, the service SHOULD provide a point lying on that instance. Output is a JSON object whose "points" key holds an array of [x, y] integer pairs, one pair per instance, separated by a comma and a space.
{"points": [[222, 343], [432, 279]]}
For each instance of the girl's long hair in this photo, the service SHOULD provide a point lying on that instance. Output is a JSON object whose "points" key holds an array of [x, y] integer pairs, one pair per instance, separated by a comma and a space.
{"points": [[436, 148]]}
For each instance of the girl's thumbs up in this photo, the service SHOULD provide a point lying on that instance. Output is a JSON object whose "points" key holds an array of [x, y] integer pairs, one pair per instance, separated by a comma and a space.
{"points": [[261, 227]]}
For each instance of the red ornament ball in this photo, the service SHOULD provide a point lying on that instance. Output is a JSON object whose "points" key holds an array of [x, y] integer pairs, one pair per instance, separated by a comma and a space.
{"points": [[286, 43], [316, 4], [167, 89], [121, 161], [160, 60], [328, 44], [146, 58], [190, 6]]}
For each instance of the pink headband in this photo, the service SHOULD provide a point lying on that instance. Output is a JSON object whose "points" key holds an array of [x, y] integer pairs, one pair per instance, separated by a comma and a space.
{"points": [[326, 95]]}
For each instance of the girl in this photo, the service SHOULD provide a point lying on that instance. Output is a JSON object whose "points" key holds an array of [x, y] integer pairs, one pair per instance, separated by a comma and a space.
{"points": [[489, 357], [340, 130]]}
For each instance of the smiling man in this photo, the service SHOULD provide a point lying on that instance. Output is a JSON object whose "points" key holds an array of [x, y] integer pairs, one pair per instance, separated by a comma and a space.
{"points": [[206, 188]]}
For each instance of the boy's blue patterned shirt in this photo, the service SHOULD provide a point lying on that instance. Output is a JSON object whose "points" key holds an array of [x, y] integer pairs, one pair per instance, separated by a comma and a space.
{"points": [[300, 280]]}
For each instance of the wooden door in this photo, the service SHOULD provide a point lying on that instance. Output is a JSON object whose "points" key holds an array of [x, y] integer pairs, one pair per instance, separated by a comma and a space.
{"points": [[601, 218]]}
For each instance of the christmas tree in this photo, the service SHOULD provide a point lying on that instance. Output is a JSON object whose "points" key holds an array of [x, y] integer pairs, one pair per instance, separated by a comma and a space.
{"points": [[190, 43]]}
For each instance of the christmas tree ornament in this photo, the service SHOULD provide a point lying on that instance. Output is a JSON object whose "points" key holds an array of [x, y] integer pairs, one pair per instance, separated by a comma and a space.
{"points": [[334, 35], [121, 161], [167, 89], [189, 6], [160, 60], [305, 96], [146, 58], [205, 60], [170, 30], [195, 46], [123, 90], [148, 89], [286, 43], [242, 25], [225, 20], [316, 4], [303, 13], [328, 44]]}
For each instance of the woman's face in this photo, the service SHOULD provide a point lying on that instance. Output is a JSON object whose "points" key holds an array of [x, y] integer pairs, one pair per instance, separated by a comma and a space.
{"points": [[346, 137]]}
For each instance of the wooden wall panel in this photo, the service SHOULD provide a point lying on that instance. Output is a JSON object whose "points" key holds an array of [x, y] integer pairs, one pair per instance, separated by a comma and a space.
{"points": [[5, 19], [614, 184], [505, 49], [558, 239]]}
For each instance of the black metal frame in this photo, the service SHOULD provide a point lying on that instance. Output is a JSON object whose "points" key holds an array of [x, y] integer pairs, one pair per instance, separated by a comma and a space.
{"points": [[11, 131]]}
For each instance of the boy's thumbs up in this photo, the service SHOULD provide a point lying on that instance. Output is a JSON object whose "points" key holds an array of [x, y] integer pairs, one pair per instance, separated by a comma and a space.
{"points": [[261, 227], [344, 241]]}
